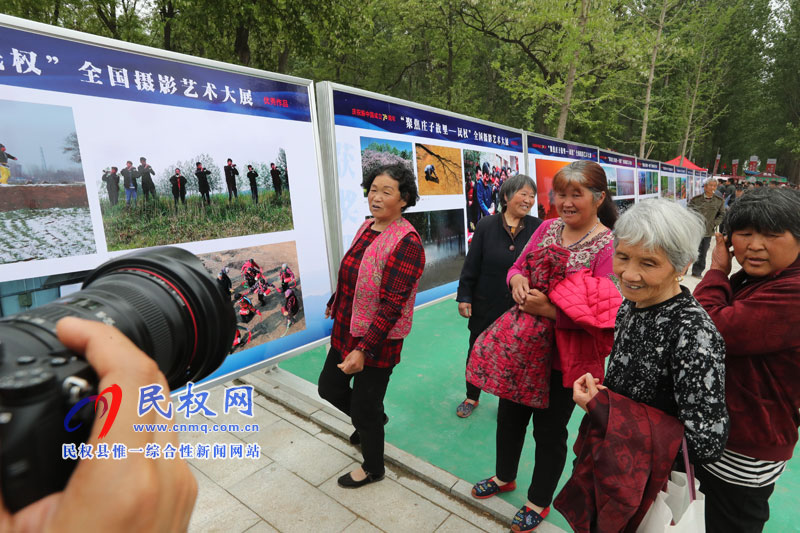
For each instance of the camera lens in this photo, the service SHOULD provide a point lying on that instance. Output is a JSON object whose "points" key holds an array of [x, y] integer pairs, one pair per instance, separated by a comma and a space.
{"points": [[162, 299]]}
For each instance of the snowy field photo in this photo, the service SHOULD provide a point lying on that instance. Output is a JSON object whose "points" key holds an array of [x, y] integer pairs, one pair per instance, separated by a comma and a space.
{"points": [[33, 234]]}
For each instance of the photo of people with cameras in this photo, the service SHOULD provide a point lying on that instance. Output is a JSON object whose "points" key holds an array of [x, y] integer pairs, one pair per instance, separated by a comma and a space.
{"points": [[193, 199]]}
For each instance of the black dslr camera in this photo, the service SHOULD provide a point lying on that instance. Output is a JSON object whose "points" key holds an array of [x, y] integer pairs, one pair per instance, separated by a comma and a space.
{"points": [[162, 299]]}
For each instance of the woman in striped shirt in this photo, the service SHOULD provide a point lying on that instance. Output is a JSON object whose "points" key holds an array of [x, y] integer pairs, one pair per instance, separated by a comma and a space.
{"points": [[756, 312]]}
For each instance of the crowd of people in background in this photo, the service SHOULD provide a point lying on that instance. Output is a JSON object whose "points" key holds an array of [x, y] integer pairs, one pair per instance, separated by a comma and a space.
{"points": [[134, 177]]}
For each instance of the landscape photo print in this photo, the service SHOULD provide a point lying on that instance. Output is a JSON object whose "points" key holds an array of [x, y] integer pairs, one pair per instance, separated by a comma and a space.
{"points": [[44, 208]]}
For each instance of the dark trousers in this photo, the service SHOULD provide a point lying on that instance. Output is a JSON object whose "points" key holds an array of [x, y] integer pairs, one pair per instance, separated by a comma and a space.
{"points": [[363, 403], [700, 264], [254, 193], [473, 391], [549, 432], [232, 192], [148, 191], [113, 195], [276, 184], [206, 197], [733, 508], [181, 195]]}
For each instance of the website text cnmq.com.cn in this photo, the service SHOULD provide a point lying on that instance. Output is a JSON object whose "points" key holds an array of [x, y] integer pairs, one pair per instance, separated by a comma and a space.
{"points": [[238, 399]]}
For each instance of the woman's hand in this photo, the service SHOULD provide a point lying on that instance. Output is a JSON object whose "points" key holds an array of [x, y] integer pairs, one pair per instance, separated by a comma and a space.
{"points": [[328, 311], [519, 288], [584, 389], [537, 303], [353, 363], [721, 257], [465, 309]]}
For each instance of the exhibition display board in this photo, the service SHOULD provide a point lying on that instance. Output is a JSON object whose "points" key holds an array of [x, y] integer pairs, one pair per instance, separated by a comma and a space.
{"points": [[681, 185], [667, 181], [121, 147], [546, 156], [447, 152], [621, 175], [647, 173]]}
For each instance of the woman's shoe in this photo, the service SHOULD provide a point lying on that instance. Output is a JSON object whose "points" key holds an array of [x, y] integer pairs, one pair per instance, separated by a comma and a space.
{"points": [[486, 488], [527, 519], [465, 409], [348, 482]]}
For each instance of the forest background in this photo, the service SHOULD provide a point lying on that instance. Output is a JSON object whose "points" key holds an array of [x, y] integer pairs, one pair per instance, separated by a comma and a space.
{"points": [[652, 78]]}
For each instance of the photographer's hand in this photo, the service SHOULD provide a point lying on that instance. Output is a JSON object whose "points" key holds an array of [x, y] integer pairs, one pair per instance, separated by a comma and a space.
{"points": [[131, 494]]}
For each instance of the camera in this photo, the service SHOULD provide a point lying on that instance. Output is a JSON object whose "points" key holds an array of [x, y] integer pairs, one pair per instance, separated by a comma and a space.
{"points": [[162, 299]]}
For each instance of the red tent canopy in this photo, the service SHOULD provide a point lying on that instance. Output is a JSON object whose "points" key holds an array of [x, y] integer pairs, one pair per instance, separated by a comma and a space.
{"points": [[686, 163]]}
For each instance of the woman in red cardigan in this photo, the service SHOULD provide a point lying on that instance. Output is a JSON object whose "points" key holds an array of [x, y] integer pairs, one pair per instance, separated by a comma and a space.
{"points": [[371, 310], [756, 310]]}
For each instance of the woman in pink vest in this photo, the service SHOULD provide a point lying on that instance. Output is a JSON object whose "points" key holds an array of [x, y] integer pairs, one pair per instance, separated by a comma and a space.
{"points": [[583, 230], [371, 310]]}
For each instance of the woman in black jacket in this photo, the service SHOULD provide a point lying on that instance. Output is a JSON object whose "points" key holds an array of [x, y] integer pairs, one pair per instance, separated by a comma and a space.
{"points": [[498, 240]]}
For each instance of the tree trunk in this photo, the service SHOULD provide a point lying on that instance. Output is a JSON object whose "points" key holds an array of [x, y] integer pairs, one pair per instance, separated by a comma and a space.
{"points": [[56, 13], [694, 101], [241, 46], [650, 77], [167, 12], [283, 58], [573, 66]]}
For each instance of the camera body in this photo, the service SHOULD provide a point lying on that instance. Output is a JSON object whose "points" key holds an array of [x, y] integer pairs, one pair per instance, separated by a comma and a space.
{"points": [[162, 299], [37, 392]]}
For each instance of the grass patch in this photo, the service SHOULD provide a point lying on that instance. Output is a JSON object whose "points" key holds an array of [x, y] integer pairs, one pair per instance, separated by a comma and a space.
{"points": [[158, 223]]}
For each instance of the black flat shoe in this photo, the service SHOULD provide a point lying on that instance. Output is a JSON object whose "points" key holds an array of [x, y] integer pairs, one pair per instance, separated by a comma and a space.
{"points": [[355, 438], [347, 481]]}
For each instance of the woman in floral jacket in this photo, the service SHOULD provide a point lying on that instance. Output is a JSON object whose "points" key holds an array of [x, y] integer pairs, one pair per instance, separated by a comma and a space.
{"points": [[583, 232]]}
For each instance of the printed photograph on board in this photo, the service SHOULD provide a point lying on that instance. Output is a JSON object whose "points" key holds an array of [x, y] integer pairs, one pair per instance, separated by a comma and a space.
{"points": [[667, 187], [443, 238], [157, 199], [648, 182], [438, 170], [626, 182], [624, 205], [680, 188], [379, 152], [611, 178], [264, 286], [44, 208], [546, 169], [484, 174]]}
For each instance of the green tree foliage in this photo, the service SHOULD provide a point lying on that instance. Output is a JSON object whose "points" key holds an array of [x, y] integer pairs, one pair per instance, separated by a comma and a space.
{"points": [[648, 77]]}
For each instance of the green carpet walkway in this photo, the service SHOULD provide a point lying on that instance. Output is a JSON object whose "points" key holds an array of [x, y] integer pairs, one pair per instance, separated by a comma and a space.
{"points": [[428, 385]]}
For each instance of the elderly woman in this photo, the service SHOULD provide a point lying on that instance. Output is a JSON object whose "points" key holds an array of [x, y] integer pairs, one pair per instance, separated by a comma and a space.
{"points": [[756, 312], [498, 240], [372, 310], [667, 352], [582, 232]]}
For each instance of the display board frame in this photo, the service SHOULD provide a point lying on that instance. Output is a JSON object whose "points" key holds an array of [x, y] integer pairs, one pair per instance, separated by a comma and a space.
{"points": [[386, 120], [305, 116]]}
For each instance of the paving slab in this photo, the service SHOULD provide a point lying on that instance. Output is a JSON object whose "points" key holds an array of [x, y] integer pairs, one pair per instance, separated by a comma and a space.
{"points": [[217, 510], [389, 504], [300, 452], [290, 504]]}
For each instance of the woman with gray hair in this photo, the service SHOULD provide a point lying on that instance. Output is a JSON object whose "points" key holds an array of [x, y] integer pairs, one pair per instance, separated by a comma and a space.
{"points": [[667, 355], [667, 352], [497, 242]]}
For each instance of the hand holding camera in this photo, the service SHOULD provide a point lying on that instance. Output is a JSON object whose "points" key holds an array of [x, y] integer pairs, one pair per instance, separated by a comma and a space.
{"points": [[168, 306], [134, 494]]}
